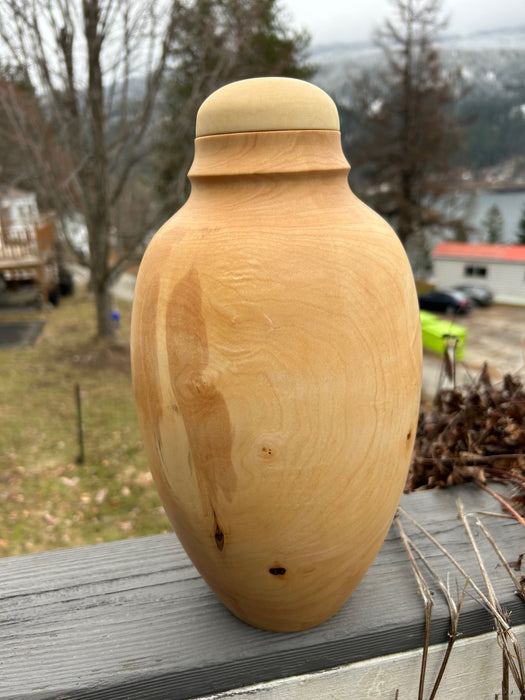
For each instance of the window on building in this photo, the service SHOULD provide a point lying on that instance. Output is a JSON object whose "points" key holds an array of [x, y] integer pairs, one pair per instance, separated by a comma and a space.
{"points": [[475, 271]]}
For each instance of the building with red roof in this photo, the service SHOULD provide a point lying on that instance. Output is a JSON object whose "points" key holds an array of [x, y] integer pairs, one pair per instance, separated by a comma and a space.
{"points": [[499, 267]]}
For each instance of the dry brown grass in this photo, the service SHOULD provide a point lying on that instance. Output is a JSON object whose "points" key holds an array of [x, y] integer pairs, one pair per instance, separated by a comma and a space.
{"points": [[47, 500]]}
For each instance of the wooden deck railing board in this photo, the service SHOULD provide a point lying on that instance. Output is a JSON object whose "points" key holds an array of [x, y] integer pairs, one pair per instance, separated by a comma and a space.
{"points": [[133, 619]]}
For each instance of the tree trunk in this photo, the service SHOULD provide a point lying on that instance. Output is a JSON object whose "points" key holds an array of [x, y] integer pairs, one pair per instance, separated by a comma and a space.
{"points": [[98, 233], [105, 325], [96, 174]]}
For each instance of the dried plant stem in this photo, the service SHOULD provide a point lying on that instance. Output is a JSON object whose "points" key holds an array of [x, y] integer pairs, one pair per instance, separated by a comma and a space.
{"points": [[500, 631], [452, 635], [451, 639], [505, 676], [488, 583], [454, 616], [453, 607], [506, 476], [505, 634], [456, 564], [520, 587], [506, 516], [503, 502], [466, 459], [425, 593]]}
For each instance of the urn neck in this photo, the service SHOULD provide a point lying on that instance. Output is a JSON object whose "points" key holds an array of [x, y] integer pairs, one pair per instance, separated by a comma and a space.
{"points": [[268, 152]]}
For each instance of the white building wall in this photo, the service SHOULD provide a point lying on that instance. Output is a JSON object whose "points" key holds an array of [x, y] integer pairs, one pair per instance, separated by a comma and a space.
{"points": [[506, 280], [447, 272], [19, 207]]}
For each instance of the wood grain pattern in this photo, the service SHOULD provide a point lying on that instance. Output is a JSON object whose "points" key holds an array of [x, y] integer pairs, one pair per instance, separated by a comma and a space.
{"points": [[133, 619], [276, 356]]}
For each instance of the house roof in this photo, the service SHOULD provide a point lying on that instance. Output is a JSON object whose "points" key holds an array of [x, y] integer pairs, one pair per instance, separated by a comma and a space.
{"points": [[480, 251]]}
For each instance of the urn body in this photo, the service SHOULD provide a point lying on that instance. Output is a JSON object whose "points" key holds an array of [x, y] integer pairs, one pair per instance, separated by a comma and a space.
{"points": [[276, 359]]}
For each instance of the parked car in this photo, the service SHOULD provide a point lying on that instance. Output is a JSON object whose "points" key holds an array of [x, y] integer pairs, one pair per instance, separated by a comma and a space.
{"points": [[478, 295], [66, 281], [447, 300]]}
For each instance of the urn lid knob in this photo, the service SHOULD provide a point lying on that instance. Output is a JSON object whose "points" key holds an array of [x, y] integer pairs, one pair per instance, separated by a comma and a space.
{"points": [[266, 104]]}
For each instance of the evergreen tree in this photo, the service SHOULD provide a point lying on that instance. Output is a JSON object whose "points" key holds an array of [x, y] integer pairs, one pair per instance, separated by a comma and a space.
{"points": [[219, 41], [493, 224], [403, 133], [520, 238]]}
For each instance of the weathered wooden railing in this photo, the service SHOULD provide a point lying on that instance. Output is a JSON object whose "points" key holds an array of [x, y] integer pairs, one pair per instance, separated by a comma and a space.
{"points": [[133, 619]]}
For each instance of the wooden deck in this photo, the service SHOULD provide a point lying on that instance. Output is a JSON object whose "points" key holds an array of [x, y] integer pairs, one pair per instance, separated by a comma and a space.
{"points": [[11, 263], [133, 619]]}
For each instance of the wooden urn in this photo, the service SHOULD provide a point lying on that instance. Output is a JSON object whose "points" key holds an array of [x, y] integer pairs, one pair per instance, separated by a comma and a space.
{"points": [[276, 359]]}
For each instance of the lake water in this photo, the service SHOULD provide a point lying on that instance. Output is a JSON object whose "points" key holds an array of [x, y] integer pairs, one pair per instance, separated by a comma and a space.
{"points": [[511, 205]]}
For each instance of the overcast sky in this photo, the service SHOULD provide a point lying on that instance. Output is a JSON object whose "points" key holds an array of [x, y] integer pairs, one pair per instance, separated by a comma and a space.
{"points": [[353, 20]]}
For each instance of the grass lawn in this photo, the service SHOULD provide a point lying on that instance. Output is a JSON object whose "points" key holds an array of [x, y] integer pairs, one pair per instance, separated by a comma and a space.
{"points": [[47, 500]]}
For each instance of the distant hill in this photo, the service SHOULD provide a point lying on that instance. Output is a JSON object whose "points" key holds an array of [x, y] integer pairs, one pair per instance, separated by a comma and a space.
{"points": [[492, 65], [499, 49]]}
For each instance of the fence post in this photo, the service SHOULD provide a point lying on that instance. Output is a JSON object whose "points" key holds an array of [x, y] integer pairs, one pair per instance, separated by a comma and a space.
{"points": [[80, 426]]}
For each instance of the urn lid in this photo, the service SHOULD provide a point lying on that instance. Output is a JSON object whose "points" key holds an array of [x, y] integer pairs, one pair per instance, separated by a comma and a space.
{"points": [[266, 104]]}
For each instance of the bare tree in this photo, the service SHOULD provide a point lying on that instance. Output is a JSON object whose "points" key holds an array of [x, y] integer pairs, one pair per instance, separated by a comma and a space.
{"points": [[405, 129], [97, 68]]}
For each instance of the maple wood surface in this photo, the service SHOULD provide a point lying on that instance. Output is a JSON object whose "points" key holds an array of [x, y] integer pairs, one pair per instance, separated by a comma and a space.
{"points": [[276, 354], [266, 104]]}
